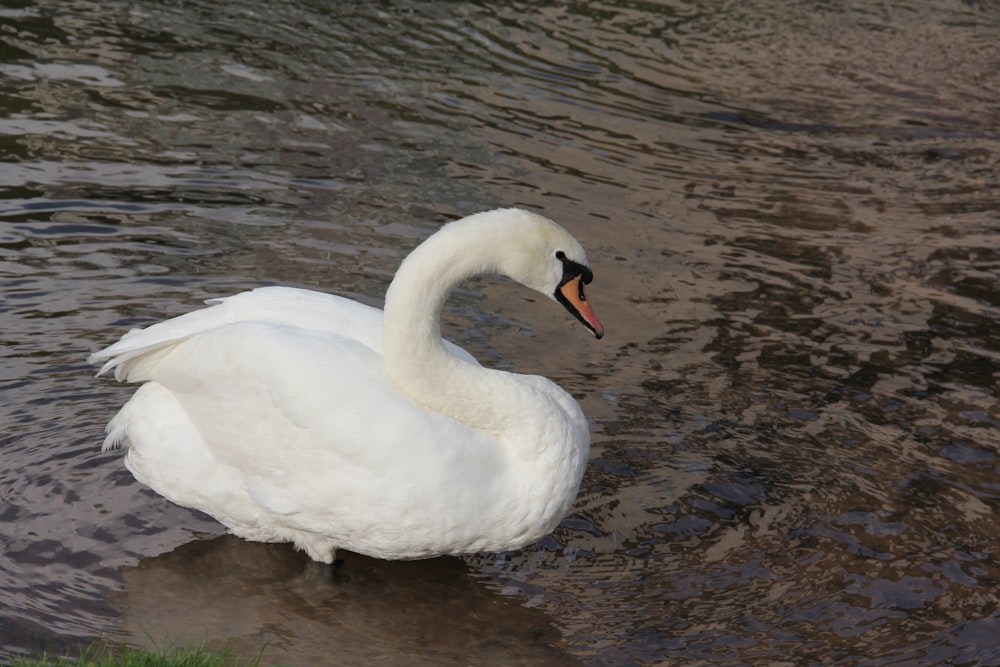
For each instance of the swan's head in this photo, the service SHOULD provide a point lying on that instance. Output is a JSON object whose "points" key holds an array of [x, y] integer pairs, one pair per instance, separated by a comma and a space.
{"points": [[540, 254], [570, 293]]}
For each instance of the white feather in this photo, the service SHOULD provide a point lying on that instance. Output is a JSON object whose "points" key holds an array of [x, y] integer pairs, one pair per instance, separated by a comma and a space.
{"points": [[278, 412]]}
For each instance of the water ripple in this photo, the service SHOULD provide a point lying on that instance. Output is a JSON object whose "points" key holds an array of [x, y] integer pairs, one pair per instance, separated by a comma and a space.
{"points": [[791, 212]]}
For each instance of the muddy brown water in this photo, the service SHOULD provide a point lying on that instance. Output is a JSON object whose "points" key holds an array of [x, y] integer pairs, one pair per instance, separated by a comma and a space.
{"points": [[792, 212]]}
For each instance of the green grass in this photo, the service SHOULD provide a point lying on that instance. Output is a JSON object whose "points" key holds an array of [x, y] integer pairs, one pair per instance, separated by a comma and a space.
{"points": [[123, 656]]}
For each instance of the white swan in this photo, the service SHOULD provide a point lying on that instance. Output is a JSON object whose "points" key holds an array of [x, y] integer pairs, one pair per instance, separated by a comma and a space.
{"points": [[296, 416]]}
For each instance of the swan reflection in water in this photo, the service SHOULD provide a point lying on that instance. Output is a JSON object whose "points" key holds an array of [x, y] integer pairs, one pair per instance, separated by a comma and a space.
{"points": [[269, 599]]}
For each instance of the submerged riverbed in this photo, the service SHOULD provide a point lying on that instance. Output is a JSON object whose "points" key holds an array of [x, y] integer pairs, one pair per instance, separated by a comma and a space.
{"points": [[791, 211]]}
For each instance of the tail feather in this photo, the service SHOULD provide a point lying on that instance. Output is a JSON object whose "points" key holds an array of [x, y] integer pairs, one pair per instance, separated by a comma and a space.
{"points": [[138, 351], [117, 433]]}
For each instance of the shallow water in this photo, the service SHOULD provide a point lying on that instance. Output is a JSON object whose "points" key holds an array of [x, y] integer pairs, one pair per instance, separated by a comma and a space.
{"points": [[791, 210]]}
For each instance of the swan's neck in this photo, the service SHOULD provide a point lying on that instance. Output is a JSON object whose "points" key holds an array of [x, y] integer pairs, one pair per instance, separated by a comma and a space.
{"points": [[416, 359]]}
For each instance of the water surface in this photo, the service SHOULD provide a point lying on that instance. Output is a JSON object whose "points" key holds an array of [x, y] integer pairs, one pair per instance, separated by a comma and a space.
{"points": [[791, 210]]}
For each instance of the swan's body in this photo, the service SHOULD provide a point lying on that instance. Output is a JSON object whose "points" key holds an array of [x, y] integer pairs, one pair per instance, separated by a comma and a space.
{"points": [[291, 415]]}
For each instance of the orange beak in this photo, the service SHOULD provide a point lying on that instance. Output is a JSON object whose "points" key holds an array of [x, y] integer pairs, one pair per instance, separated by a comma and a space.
{"points": [[574, 298]]}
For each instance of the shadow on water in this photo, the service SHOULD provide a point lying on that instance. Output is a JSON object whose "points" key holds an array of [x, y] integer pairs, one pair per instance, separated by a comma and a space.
{"points": [[227, 592]]}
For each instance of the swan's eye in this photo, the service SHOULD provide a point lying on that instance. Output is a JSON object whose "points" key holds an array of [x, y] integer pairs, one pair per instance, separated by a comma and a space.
{"points": [[573, 269]]}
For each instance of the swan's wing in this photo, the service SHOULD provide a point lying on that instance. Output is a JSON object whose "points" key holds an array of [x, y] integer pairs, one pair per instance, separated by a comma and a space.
{"points": [[134, 356], [275, 403], [314, 428]]}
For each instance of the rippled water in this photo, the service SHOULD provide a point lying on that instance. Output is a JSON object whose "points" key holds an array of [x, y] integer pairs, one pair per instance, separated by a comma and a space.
{"points": [[792, 214]]}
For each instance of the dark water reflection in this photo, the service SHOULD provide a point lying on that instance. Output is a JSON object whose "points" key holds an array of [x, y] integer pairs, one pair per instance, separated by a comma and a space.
{"points": [[792, 212], [247, 596]]}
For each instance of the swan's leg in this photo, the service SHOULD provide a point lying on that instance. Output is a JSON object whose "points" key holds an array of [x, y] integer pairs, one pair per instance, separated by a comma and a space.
{"points": [[317, 547]]}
